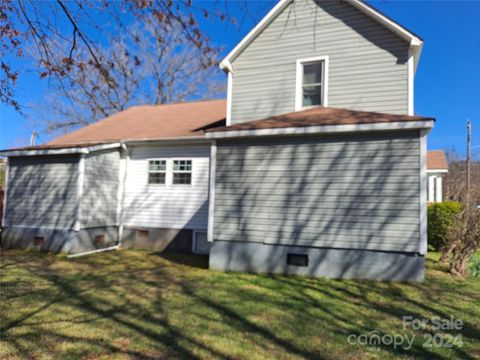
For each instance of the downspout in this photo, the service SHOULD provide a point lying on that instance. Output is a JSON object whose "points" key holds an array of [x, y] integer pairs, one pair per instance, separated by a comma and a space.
{"points": [[123, 180], [80, 181], [4, 210], [115, 247]]}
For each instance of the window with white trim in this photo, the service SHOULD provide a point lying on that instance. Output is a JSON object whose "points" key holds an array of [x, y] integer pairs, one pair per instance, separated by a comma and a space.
{"points": [[157, 171], [182, 172], [313, 74]]}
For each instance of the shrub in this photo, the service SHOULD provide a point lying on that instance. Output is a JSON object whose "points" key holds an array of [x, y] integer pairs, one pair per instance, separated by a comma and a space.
{"points": [[475, 266], [441, 216]]}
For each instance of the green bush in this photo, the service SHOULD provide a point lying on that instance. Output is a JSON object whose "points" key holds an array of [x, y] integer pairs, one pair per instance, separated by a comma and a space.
{"points": [[440, 217], [474, 266]]}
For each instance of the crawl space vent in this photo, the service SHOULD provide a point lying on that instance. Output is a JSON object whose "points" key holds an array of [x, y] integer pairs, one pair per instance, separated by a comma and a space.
{"points": [[297, 259], [99, 240], [38, 240], [143, 233]]}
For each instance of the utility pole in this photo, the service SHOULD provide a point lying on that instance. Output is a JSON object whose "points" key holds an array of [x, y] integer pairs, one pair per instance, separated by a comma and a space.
{"points": [[469, 131]]}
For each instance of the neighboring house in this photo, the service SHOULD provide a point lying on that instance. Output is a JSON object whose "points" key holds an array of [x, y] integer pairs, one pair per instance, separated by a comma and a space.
{"points": [[314, 165], [437, 166]]}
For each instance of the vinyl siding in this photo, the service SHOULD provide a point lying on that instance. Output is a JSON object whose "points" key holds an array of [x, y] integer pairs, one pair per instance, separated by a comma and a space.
{"points": [[167, 206], [42, 191], [367, 62], [343, 191], [100, 189]]}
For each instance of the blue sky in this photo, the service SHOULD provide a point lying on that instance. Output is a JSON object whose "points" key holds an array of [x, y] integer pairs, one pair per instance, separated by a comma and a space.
{"points": [[447, 83]]}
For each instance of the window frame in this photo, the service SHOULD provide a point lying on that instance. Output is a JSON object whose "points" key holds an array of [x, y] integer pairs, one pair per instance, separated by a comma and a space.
{"points": [[173, 171], [299, 82], [157, 171]]}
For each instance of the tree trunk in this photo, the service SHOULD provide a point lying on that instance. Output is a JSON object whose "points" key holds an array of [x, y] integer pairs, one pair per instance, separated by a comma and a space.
{"points": [[459, 266], [448, 251]]}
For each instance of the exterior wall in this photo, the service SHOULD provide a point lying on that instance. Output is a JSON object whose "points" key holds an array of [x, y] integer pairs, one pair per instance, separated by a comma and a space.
{"points": [[351, 191], [100, 189], [333, 263], [42, 191], [42, 203], [167, 206], [367, 62], [58, 240]]}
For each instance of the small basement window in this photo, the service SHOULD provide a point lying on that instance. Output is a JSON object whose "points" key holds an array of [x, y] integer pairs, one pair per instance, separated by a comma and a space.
{"points": [[38, 241], [297, 259], [143, 233], [100, 240], [157, 170], [182, 172]]}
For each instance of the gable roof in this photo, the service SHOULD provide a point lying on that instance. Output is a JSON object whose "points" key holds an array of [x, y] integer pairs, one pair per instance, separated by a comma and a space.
{"points": [[320, 116], [415, 41], [149, 122], [437, 160]]}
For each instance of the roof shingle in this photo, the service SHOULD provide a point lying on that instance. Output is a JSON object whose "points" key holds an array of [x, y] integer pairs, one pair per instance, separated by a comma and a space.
{"points": [[319, 116], [437, 160], [149, 122]]}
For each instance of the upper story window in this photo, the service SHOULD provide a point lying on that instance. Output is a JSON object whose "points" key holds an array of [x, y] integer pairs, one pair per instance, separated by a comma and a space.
{"points": [[312, 81], [157, 170], [182, 172]]}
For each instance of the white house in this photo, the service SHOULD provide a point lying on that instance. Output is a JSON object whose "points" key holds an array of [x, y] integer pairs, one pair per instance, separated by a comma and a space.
{"points": [[437, 167]]}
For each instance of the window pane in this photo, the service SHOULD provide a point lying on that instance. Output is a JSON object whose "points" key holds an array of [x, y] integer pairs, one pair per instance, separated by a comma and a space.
{"points": [[156, 165], [156, 178], [312, 73], [182, 178], [312, 95], [182, 165]]}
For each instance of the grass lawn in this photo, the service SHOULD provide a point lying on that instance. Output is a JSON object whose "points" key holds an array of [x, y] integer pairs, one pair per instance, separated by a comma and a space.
{"points": [[143, 305]]}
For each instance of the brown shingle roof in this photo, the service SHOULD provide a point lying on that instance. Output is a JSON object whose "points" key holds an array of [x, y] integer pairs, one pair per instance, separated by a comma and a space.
{"points": [[436, 160], [149, 122], [320, 116]]}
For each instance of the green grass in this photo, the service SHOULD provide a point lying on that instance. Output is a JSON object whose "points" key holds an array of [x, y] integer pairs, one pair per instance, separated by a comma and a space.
{"points": [[142, 305]]}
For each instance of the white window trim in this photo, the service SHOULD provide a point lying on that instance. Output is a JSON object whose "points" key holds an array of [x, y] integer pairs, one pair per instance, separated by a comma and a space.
{"points": [[299, 81], [181, 171], [166, 171]]}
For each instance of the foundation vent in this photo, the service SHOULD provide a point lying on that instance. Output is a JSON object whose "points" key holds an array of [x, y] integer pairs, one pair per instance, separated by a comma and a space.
{"points": [[38, 241], [297, 259], [143, 233], [100, 240]]}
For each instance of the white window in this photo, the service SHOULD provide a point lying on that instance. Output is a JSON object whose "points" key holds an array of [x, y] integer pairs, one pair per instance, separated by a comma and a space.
{"points": [[312, 81], [157, 170], [182, 172]]}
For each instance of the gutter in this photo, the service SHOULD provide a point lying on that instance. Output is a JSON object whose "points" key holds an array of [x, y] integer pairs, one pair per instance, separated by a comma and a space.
{"points": [[322, 129], [61, 151]]}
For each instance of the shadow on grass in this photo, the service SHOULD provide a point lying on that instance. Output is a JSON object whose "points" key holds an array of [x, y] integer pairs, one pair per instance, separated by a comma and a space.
{"points": [[169, 306], [190, 260]]}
